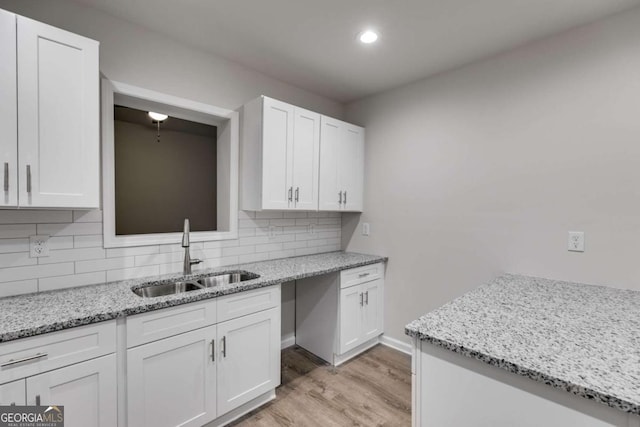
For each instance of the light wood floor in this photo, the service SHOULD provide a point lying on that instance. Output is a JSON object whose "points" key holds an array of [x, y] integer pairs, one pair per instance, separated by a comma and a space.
{"points": [[373, 389]]}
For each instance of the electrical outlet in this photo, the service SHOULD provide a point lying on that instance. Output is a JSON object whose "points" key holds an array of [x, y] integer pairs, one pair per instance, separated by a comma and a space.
{"points": [[38, 246], [311, 229], [366, 229], [576, 241]]}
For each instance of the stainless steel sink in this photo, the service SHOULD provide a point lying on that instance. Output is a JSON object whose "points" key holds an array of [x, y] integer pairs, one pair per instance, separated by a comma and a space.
{"points": [[226, 278], [193, 284], [151, 291]]}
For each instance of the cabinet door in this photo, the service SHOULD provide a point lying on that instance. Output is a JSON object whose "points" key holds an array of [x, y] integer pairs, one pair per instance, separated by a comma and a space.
{"points": [[249, 353], [8, 111], [13, 393], [306, 152], [351, 300], [330, 136], [277, 155], [58, 117], [87, 391], [351, 165], [372, 313], [171, 382]]}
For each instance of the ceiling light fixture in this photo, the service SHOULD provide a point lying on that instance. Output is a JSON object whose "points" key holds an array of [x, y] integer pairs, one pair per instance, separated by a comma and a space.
{"points": [[158, 118], [368, 36]]}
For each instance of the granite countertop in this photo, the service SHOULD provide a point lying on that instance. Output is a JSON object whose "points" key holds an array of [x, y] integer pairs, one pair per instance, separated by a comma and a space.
{"points": [[580, 338], [33, 314]]}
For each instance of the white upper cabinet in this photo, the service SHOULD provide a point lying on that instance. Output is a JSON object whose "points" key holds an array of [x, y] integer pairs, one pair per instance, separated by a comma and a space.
{"points": [[49, 116], [8, 111], [280, 156], [341, 166], [58, 118]]}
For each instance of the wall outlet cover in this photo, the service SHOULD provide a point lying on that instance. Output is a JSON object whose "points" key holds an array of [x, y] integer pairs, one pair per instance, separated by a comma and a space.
{"points": [[38, 246], [576, 241], [366, 229]]}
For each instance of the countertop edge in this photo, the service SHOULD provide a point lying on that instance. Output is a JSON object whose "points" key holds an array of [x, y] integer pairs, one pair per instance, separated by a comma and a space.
{"points": [[575, 389], [188, 298]]}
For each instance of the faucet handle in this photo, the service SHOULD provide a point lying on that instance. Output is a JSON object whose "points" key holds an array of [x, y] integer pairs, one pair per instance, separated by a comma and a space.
{"points": [[195, 261]]}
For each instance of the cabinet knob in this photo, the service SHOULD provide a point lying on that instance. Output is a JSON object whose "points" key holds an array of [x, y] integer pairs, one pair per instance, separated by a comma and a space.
{"points": [[224, 346], [366, 297], [297, 194], [345, 197], [340, 198], [213, 350], [290, 194]]}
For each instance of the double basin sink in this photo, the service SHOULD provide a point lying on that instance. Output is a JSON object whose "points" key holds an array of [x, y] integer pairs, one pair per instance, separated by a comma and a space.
{"points": [[164, 288]]}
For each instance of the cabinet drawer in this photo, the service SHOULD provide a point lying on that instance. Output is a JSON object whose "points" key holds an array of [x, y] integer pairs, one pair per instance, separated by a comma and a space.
{"points": [[355, 276], [243, 303], [155, 325], [29, 356]]}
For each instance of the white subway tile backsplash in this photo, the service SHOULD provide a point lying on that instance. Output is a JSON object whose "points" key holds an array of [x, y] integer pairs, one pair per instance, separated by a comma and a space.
{"points": [[14, 245], [104, 264], [137, 250], [132, 273], [88, 216], [19, 287], [16, 259], [73, 229], [12, 231], [77, 256], [35, 271], [73, 280], [33, 217], [88, 241]]}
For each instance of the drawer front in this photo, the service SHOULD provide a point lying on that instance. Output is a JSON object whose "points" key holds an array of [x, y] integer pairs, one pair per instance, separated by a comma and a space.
{"points": [[155, 325], [243, 303], [356, 276], [30, 356]]}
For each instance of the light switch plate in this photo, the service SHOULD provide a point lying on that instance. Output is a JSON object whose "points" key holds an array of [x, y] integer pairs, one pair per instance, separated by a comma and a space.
{"points": [[576, 241], [366, 229], [38, 246]]}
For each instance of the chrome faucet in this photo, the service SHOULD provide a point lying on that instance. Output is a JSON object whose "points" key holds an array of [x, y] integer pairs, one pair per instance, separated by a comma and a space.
{"points": [[188, 262]]}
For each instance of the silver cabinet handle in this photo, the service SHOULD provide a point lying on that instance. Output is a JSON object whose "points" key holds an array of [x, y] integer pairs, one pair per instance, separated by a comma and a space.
{"points": [[361, 298], [297, 194], [224, 346], [340, 199], [366, 299], [37, 400], [213, 350], [24, 359], [363, 274], [6, 176], [290, 194], [28, 178], [345, 197]]}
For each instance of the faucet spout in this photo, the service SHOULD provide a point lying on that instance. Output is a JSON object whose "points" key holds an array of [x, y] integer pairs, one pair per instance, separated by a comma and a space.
{"points": [[188, 262]]}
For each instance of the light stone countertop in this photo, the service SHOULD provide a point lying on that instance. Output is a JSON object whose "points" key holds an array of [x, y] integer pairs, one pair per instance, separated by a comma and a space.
{"points": [[584, 339], [33, 314]]}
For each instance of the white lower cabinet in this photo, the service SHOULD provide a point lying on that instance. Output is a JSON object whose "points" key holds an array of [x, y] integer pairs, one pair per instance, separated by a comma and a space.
{"points": [[74, 368], [192, 377], [172, 382], [87, 391], [13, 393], [340, 315], [249, 361]]}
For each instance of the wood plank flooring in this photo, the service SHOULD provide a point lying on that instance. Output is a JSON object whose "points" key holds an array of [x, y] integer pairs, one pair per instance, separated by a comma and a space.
{"points": [[373, 389]]}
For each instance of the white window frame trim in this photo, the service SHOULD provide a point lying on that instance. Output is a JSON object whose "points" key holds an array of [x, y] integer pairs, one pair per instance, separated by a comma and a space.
{"points": [[227, 122]]}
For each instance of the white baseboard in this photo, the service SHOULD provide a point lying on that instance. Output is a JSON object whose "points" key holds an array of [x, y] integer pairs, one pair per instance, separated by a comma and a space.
{"points": [[287, 341], [402, 346]]}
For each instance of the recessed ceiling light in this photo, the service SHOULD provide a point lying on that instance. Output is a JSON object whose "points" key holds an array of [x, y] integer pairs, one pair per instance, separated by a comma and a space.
{"points": [[158, 117], [368, 36]]}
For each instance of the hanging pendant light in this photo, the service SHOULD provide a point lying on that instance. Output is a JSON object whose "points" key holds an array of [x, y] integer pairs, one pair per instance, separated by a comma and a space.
{"points": [[158, 118]]}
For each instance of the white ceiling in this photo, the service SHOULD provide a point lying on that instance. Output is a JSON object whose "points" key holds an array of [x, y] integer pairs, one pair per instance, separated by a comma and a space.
{"points": [[312, 43]]}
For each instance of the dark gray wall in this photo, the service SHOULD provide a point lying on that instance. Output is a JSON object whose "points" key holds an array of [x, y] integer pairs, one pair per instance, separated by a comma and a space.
{"points": [[158, 184]]}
